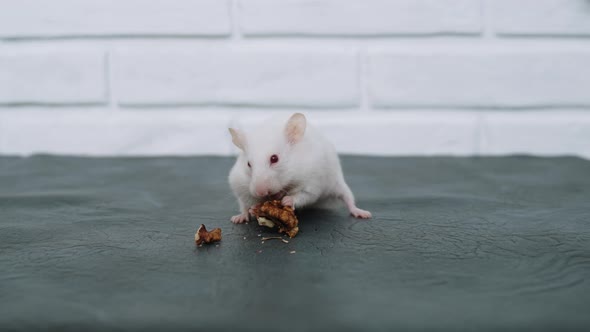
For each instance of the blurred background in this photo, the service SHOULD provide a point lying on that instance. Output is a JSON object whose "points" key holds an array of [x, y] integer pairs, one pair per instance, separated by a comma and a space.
{"points": [[380, 77]]}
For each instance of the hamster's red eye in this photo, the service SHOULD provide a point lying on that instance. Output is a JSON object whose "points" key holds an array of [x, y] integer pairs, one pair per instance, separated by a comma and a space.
{"points": [[274, 159], [249, 164]]}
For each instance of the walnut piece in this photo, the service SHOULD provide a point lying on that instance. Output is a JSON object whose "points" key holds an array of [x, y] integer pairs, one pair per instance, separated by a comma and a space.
{"points": [[262, 221], [202, 236], [273, 213]]}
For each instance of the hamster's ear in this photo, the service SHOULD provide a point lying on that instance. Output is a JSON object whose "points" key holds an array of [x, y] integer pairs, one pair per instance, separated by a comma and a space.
{"points": [[237, 137], [295, 128]]}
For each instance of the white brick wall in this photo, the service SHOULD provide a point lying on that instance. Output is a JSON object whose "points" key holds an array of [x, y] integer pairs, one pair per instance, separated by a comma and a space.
{"points": [[360, 17], [541, 17], [237, 78], [514, 79], [52, 78], [461, 77], [85, 18]]}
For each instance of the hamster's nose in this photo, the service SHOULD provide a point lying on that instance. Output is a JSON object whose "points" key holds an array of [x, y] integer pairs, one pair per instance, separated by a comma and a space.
{"points": [[262, 193], [261, 189]]}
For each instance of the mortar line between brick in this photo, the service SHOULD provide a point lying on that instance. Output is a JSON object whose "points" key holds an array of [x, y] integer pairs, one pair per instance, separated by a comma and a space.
{"points": [[111, 98], [235, 21], [482, 139], [486, 15]]}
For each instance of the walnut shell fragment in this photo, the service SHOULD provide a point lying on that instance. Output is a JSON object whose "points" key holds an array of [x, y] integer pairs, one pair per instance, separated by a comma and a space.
{"points": [[203, 236], [273, 213]]}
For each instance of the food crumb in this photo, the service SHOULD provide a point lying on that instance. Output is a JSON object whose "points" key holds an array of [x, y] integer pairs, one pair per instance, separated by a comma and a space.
{"points": [[262, 242], [292, 251], [259, 251], [244, 237], [203, 236], [275, 238]]}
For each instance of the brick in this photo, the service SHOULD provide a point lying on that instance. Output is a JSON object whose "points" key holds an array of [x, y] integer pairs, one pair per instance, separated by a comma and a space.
{"points": [[236, 78], [401, 133], [541, 17], [543, 133], [359, 17], [55, 78], [63, 18], [82, 131], [480, 80]]}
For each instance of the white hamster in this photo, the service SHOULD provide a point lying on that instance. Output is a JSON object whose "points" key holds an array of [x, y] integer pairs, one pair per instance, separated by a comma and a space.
{"points": [[288, 160]]}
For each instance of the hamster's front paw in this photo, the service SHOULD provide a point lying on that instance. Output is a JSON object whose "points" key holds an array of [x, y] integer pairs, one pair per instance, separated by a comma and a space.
{"points": [[240, 218], [254, 208], [360, 213], [288, 201]]}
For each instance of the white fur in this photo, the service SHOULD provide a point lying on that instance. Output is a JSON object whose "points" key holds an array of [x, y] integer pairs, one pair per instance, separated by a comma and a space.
{"points": [[308, 169]]}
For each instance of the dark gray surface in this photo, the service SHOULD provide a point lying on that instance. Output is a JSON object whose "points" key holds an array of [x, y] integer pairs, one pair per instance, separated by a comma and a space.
{"points": [[482, 244]]}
